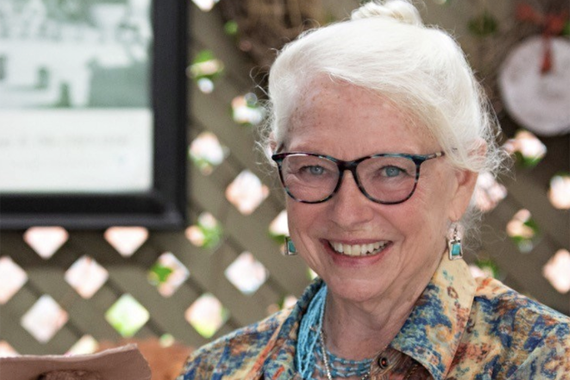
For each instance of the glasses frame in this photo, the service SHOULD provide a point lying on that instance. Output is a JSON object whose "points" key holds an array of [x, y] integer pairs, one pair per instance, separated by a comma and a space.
{"points": [[351, 166]]}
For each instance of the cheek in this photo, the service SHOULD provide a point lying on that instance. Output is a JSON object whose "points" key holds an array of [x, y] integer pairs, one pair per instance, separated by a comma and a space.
{"points": [[426, 213], [304, 222], [298, 217]]}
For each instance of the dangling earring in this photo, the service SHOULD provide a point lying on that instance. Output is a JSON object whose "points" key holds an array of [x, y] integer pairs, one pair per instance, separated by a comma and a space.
{"points": [[455, 249], [289, 249]]}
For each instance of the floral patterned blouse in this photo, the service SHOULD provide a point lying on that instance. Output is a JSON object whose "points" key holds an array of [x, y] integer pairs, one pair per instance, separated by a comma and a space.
{"points": [[460, 328]]}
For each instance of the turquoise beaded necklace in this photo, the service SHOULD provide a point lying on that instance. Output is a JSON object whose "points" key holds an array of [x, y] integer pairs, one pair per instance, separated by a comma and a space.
{"points": [[310, 346], [343, 368]]}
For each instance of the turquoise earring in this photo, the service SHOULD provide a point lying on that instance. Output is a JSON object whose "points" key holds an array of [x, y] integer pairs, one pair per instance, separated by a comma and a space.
{"points": [[455, 248], [290, 249]]}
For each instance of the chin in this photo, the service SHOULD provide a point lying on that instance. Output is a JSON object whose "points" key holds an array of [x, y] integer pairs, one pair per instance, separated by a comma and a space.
{"points": [[355, 290]]}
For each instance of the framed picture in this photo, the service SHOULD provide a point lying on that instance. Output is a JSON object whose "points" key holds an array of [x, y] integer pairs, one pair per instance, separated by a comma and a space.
{"points": [[93, 113]]}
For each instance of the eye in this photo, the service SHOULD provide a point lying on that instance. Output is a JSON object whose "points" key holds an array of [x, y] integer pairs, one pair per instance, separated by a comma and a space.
{"points": [[392, 171], [313, 170]]}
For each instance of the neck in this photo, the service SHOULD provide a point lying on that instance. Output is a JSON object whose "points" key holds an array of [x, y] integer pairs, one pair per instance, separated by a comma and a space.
{"points": [[360, 330]]}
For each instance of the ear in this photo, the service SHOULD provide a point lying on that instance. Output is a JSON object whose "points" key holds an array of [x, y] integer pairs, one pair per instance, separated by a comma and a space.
{"points": [[272, 144], [465, 185], [466, 181]]}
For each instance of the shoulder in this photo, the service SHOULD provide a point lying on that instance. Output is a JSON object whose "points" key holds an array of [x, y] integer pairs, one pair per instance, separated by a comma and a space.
{"points": [[233, 352], [508, 332], [496, 303]]}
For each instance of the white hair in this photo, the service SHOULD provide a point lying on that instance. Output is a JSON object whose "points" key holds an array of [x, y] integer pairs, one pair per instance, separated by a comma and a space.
{"points": [[386, 48]]}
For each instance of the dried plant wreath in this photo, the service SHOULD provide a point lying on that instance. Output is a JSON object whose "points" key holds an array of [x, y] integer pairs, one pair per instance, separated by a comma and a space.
{"points": [[266, 25]]}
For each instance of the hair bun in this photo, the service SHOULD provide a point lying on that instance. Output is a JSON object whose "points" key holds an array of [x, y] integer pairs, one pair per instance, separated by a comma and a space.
{"points": [[400, 10]]}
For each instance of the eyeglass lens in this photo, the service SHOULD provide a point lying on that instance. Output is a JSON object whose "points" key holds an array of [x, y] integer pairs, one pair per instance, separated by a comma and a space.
{"points": [[385, 179]]}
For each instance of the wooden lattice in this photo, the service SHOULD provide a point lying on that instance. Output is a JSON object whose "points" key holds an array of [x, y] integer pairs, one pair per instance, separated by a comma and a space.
{"points": [[206, 266]]}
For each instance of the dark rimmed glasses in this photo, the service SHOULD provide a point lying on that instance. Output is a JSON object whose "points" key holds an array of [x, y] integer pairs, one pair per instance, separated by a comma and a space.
{"points": [[387, 178]]}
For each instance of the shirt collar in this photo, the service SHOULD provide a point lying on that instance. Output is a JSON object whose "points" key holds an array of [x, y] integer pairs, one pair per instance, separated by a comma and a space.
{"points": [[432, 332], [279, 363], [430, 335]]}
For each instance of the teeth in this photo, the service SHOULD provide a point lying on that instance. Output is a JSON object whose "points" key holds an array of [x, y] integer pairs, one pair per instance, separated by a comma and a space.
{"points": [[358, 249]]}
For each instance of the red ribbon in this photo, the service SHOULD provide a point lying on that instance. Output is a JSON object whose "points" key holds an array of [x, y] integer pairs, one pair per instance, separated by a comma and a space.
{"points": [[552, 24]]}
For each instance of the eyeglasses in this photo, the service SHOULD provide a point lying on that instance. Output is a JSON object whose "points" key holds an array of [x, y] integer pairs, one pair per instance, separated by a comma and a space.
{"points": [[388, 178]]}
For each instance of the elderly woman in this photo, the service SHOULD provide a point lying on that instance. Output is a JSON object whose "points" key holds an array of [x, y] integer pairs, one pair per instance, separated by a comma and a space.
{"points": [[379, 131]]}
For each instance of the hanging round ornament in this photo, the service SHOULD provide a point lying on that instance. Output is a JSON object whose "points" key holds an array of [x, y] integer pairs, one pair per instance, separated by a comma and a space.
{"points": [[534, 82]]}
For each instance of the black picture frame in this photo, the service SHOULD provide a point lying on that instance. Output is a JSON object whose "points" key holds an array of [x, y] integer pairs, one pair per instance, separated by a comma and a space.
{"points": [[164, 205]]}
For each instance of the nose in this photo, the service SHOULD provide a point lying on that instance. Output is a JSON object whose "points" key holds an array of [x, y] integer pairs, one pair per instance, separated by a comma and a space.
{"points": [[349, 207]]}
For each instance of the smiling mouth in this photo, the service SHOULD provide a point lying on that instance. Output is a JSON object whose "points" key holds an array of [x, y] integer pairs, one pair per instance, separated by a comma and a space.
{"points": [[357, 250]]}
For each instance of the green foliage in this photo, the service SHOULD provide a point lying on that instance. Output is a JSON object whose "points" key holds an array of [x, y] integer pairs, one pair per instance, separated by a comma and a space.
{"points": [[127, 316], [531, 223], [231, 28], [212, 236], [483, 25], [204, 56], [209, 231], [488, 266], [526, 161], [206, 65], [527, 242], [566, 30], [278, 238], [159, 274]]}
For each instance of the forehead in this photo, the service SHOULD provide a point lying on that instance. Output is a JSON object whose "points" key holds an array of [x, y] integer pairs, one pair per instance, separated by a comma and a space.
{"points": [[346, 121]]}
